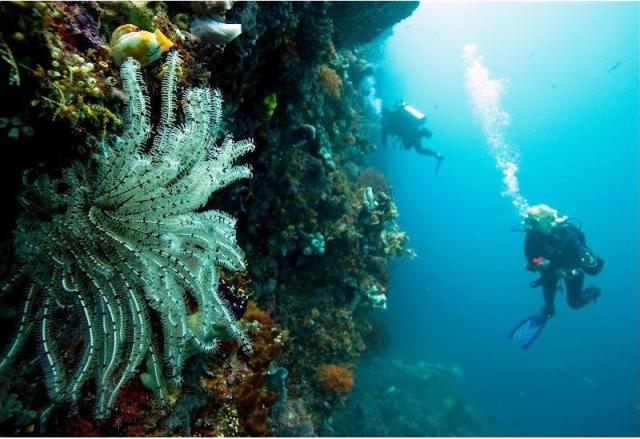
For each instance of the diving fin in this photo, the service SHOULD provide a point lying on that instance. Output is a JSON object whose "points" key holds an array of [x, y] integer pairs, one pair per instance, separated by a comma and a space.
{"points": [[529, 329], [440, 157]]}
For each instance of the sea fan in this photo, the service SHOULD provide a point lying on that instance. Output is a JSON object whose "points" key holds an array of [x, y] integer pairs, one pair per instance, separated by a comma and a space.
{"points": [[122, 242]]}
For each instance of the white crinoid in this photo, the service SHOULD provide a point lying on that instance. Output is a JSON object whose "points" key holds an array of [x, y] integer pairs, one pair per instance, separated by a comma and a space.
{"points": [[119, 251]]}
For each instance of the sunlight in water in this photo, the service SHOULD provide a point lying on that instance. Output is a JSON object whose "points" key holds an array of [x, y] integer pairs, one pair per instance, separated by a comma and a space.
{"points": [[485, 94]]}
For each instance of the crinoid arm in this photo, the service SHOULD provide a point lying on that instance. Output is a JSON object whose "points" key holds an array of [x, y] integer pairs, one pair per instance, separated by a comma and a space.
{"points": [[128, 242]]}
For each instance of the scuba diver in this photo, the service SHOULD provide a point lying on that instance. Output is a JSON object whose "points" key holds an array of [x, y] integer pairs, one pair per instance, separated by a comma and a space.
{"points": [[405, 122], [556, 249]]}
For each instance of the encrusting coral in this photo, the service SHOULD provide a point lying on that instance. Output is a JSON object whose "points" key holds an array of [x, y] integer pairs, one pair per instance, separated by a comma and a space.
{"points": [[123, 239]]}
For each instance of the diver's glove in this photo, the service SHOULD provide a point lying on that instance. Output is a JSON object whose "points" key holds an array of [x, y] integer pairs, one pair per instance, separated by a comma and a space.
{"points": [[538, 264]]}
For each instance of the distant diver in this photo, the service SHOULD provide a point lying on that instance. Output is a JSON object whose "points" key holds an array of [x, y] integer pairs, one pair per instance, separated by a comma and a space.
{"points": [[555, 248], [406, 124]]}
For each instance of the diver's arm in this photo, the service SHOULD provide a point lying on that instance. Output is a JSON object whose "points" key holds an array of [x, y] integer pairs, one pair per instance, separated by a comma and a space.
{"points": [[586, 258], [577, 243], [575, 237], [425, 133]]}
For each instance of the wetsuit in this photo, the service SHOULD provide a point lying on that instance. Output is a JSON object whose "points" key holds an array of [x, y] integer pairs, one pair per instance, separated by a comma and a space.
{"points": [[566, 250]]}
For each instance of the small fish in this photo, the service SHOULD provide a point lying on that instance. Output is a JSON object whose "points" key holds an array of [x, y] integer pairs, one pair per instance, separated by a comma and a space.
{"points": [[615, 66], [391, 389], [146, 47], [589, 382], [215, 32]]}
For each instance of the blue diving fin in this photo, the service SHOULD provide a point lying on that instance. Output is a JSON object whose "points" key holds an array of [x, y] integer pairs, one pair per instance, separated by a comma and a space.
{"points": [[528, 330]]}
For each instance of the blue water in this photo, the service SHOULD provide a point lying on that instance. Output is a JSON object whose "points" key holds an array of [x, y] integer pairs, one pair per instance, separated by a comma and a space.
{"points": [[574, 120]]}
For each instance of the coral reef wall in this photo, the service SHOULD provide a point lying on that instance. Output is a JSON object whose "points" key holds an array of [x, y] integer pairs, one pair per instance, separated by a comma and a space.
{"points": [[318, 229]]}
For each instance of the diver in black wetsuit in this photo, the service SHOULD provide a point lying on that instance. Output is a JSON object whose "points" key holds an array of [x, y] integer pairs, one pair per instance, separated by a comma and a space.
{"points": [[405, 122], [557, 249]]}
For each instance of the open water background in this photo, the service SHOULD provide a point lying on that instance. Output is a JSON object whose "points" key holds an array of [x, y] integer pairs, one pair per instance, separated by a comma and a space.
{"points": [[571, 92]]}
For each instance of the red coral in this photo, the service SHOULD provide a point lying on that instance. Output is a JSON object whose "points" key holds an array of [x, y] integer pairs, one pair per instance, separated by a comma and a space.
{"points": [[335, 379], [133, 403], [136, 431], [252, 402], [78, 427]]}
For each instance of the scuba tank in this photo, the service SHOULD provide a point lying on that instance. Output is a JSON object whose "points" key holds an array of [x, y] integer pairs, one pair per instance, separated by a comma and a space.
{"points": [[412, 112]]}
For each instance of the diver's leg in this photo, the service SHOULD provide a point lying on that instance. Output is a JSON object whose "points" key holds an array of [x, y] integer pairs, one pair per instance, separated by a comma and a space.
{"points": [[549, 287], [430, 152], [574, 289], [576, 297], [426, 151]]}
